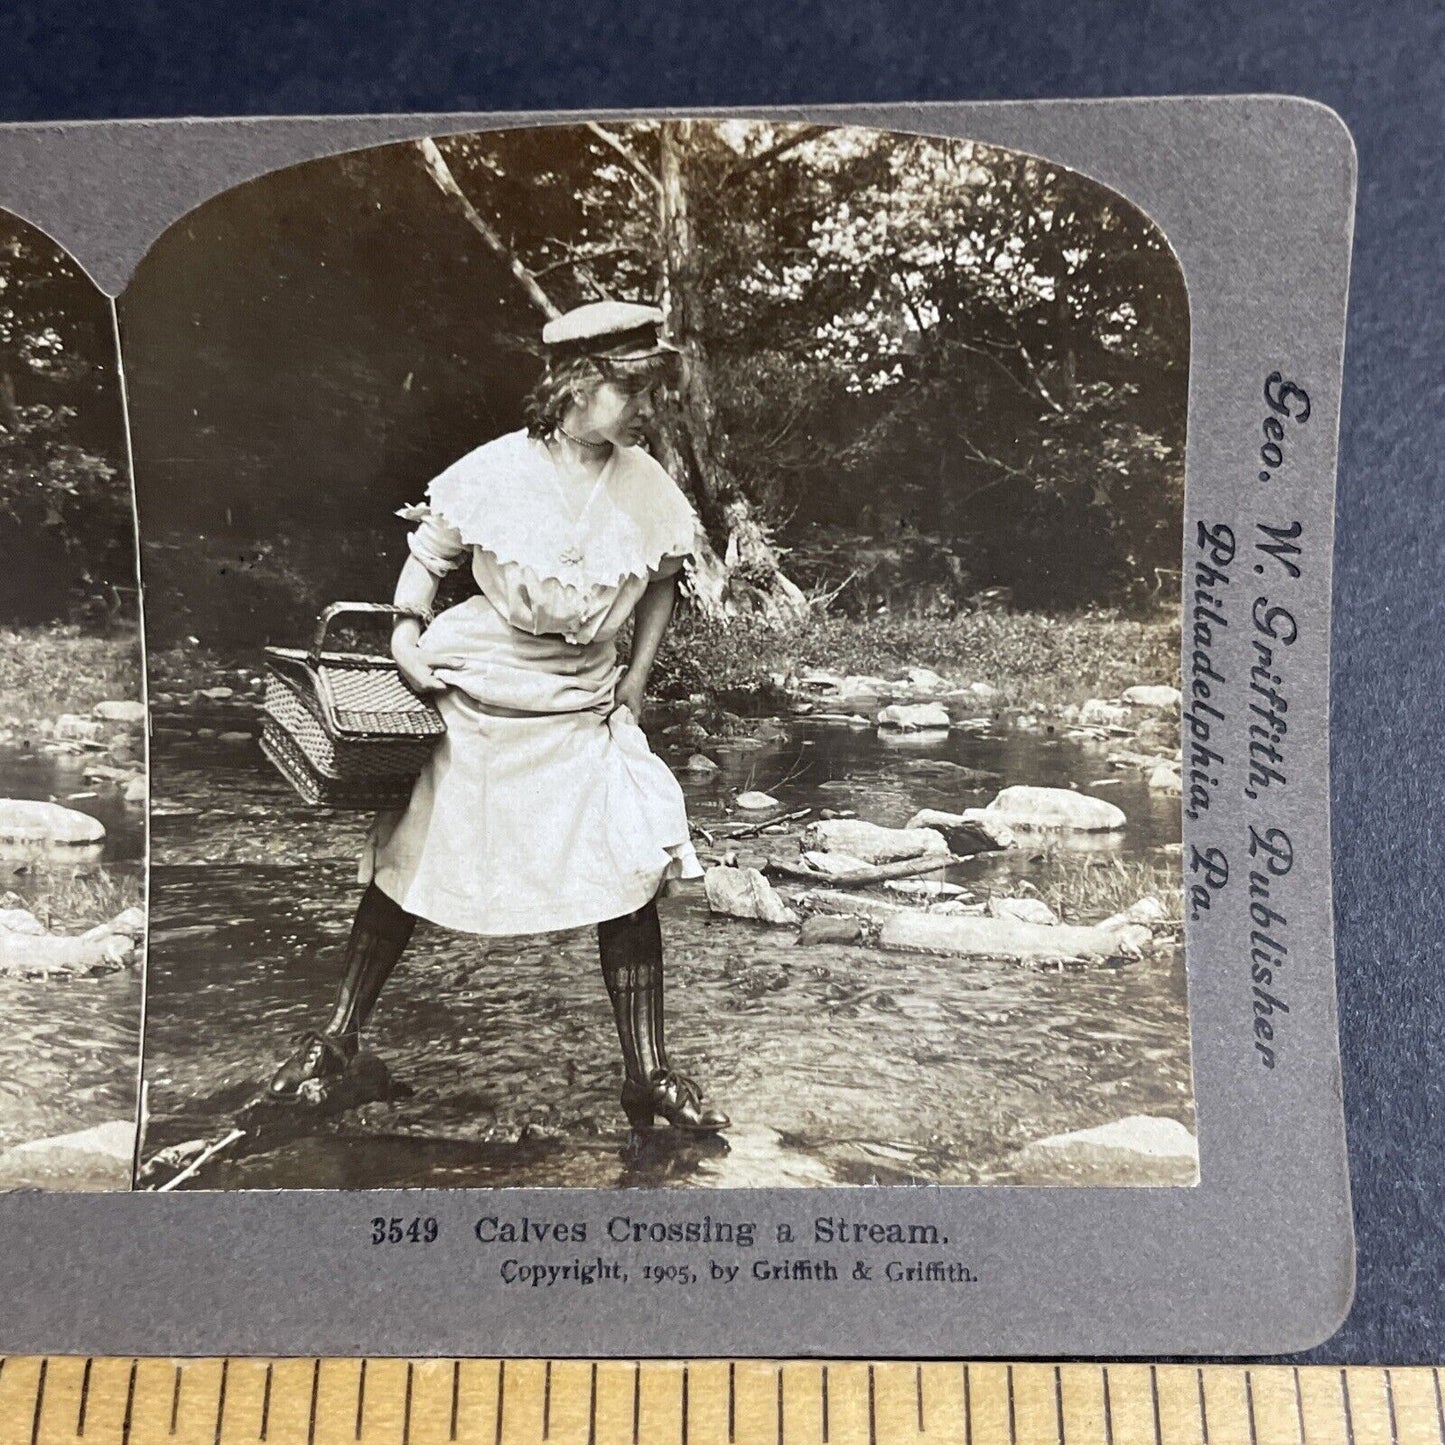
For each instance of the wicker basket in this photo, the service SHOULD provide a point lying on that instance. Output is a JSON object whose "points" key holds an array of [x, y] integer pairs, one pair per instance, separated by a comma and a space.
{"points": [[343, 728]]}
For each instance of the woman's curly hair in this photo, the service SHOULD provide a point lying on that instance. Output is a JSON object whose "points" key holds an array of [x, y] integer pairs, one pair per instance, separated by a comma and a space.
{"points": [[547, 402]]}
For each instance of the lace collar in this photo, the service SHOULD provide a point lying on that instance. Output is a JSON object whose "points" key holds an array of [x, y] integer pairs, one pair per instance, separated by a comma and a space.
{"points": [[506, 497]]}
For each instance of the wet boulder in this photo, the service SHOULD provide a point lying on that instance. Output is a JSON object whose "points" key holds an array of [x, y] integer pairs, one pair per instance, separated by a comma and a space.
{"points": [[1011, 938], [912, 717], [136, 790], [745, 893], [975, 830], [130, 922], [835, 865], [864, 684], [94, 1159], [26, 825], [1166, 779], [1026, 910], [21, 920], [48, 955], [924, 679], [871, 843], [700, 763], [131, 713], [1099, 713], [70, 727], [1138, 1149], [755, 801], [1162, 699], [830, 928], [1149, 910], [1043, 809]]}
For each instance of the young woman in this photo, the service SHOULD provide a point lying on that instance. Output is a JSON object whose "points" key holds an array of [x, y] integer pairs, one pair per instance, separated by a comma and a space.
{"points": [[543, 807]]}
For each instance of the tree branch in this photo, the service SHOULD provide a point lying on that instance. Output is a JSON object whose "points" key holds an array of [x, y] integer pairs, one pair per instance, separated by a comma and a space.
{"points": [[782, 147], [588, 277], [1038, 380], [581, 258], [627, 153], [441, 173], [1038, 386]]}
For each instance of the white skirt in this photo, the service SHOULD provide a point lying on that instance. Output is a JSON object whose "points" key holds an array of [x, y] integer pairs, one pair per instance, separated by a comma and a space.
{"points": [[534, 823]]}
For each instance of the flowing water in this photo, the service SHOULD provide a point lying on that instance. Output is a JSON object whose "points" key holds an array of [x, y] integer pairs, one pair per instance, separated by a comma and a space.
{"points": [[69, 1049], [838, 1064]]}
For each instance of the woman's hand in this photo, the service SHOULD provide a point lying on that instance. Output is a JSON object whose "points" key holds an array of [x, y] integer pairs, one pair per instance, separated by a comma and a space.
{"points": [[414, 666], [630, 693]]}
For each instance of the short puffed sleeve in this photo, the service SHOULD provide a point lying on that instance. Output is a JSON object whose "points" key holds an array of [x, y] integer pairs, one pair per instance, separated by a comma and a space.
{"points": [[666, 526], [436, 544]]}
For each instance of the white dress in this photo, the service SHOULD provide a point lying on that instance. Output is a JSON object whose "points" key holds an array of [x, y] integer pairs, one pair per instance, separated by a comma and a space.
{"points": [[543, 806]]}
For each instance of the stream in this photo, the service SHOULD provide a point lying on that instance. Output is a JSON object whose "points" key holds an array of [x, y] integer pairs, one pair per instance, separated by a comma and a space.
{"points": [[68, 1052], [838, 1064]]}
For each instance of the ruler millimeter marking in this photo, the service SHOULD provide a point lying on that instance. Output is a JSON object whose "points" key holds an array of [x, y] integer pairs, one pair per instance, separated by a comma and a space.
{"points": [[63, 1400]]}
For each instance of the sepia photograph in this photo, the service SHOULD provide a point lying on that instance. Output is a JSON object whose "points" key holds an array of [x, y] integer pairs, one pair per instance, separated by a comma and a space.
{"points": [[72, 733], [663, 655]]}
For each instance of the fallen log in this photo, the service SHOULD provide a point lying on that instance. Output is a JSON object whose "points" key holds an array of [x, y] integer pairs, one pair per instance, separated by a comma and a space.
{"points": [[1012, 939], [747, 830], [877, 873], [847, 905], [204, 1157], [872, 843]]}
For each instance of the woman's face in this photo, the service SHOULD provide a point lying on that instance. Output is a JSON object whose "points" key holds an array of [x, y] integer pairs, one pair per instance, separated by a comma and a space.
{"points": [[616, 411]]}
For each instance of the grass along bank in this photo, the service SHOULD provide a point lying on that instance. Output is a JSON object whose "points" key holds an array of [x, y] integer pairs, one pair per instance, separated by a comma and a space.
{"points": [[1031, 659], [1084, 889], [47, 671], [70, 899]]}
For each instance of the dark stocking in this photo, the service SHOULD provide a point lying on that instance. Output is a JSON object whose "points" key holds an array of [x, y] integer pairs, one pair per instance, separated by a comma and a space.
{"points": [[379, 934], [631, 952]]}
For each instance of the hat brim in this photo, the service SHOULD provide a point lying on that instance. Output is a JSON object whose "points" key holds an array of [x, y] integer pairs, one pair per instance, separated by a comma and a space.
{"points": [[638, 344], [640, 353]]}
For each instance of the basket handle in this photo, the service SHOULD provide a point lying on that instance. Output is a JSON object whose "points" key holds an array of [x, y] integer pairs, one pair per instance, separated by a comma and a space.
{"points": [[340, 609]]}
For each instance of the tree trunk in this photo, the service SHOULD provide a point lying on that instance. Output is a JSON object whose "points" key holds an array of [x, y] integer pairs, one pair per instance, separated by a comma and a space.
{"points": [[441, 173], [748, 578]]}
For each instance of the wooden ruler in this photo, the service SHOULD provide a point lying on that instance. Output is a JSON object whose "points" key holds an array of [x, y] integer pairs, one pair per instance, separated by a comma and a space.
{"points": [[46, 1401]]}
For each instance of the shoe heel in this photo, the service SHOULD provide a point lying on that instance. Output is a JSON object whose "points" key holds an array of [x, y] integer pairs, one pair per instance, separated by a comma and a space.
{"points": [[640, 1110], [640, 1116]]}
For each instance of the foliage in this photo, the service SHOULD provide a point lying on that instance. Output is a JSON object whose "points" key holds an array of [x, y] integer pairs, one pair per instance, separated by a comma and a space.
{"points": [[1032, 659], [973, 360], [46, 671], [65, 509], [964, 339], [1084, 889], [70, 899], [236, 593]]}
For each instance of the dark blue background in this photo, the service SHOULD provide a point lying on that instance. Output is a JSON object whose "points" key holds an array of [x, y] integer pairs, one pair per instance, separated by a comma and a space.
{"points": [[1382, 66]]}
